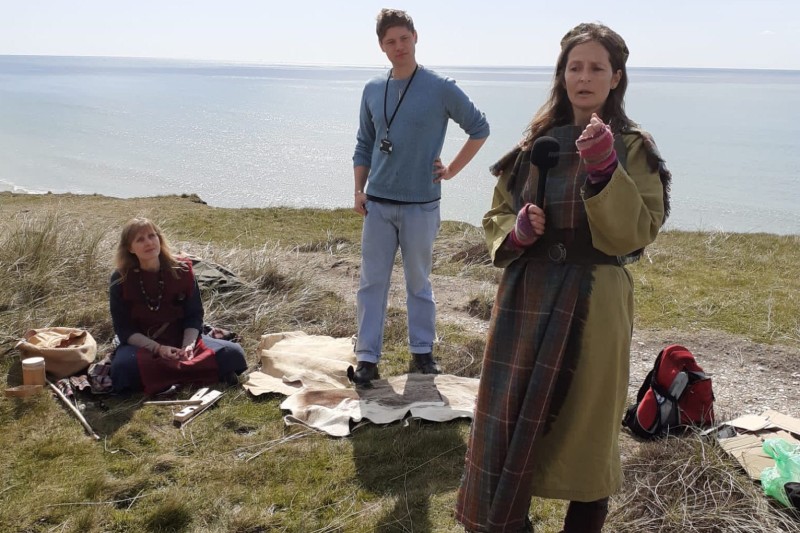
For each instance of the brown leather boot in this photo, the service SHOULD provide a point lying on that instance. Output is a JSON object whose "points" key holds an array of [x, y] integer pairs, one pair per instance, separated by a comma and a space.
{"points": [[586, 517]]}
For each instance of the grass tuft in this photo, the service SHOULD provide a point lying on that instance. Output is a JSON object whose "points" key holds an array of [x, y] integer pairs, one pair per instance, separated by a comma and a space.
{"points": [[480, 306], [171, 514], [690, 485]]}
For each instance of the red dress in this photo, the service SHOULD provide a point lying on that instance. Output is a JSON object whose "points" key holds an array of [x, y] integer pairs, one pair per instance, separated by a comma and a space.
{"points": [[161, 306]]}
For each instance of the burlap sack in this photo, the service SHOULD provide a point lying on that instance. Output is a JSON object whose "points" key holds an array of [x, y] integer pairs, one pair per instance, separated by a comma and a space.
{"points": [[66, 351]]}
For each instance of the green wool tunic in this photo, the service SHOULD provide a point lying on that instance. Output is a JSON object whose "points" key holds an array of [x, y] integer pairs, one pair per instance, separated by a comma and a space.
{"points": [[555, 373]]}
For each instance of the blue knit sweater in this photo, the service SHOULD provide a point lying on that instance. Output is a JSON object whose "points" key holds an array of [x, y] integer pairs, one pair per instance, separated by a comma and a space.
{"points": [[417, 133]]}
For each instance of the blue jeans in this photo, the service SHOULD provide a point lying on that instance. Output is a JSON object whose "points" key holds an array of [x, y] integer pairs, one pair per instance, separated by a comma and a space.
{"points": [[125, 370], [412, 227]]}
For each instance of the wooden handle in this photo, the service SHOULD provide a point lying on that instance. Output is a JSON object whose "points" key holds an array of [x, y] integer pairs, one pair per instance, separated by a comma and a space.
{"points": [[173, 402], [66, 402]]}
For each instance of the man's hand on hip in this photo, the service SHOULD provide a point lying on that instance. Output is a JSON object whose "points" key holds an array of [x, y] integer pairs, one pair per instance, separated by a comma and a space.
{"points": [[441, 172]]}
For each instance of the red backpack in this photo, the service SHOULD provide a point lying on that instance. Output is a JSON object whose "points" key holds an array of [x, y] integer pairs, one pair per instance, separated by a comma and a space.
{"points": [[676, 393]]}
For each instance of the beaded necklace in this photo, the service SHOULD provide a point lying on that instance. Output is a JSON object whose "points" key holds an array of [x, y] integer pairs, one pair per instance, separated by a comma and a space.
{"points": [[154, 304]]}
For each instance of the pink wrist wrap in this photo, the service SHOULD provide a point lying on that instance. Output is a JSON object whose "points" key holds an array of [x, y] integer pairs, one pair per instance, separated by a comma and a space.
{"points": [[523, 234], [598, 152]]}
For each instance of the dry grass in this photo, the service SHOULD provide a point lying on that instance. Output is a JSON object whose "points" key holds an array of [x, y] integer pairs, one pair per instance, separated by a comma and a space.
{"points": [[461, 251], [689, 485], [481, 305], [238, 467], [51, 271]]}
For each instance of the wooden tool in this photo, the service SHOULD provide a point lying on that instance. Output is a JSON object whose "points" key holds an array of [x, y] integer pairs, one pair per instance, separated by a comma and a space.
{"points": [[174, 402], [74, 409], [208, 398], [23, 391]]}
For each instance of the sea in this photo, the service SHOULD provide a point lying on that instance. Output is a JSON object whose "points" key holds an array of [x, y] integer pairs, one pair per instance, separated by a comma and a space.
{"points": [[257, 135]]}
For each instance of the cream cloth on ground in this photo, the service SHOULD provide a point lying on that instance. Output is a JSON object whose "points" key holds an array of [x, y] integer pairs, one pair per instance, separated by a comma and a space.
{"points": [[312, 371]]}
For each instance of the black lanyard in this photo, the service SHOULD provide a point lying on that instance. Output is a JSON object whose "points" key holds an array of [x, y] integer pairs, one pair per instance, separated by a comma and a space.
{"points": [[403, 95]]}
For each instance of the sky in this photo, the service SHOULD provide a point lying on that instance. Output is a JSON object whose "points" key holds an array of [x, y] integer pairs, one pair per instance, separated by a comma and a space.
{"points": [[761, 34]]}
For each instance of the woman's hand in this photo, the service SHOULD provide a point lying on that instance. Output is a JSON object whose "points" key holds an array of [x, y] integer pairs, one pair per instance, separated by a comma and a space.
{"points": [[596, 145], [169, 352], [188, 352], [529, 226], [592, 129]]}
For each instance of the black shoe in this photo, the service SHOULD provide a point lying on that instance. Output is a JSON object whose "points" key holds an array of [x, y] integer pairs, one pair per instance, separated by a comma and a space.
{"points": [[528, 525], [425, 363], [232, 378], [364, 374]]}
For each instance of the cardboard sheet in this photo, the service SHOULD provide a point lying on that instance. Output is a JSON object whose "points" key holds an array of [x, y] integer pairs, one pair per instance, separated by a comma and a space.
{"points": [[751, 432]]}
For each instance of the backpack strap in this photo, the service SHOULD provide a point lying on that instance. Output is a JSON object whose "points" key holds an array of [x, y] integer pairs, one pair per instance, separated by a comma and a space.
{"points": [[651, 379], [648, 382]]}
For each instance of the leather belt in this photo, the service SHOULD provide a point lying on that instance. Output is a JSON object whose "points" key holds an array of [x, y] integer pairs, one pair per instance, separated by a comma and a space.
{"points": [[572, 254]]}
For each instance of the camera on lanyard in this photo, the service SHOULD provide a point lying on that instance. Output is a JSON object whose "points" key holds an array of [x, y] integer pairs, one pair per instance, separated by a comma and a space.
{"points": [[386, 144]]}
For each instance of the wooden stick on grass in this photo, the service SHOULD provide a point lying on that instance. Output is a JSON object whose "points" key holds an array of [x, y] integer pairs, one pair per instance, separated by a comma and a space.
{"points": [[173, 402], [74, 409]]}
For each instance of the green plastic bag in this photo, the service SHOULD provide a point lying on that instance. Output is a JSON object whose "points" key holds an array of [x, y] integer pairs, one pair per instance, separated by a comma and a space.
{"points": [[786, 469]]}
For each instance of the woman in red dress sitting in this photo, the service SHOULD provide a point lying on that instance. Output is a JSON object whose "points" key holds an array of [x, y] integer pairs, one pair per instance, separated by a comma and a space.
{"points": [[158, 318]]}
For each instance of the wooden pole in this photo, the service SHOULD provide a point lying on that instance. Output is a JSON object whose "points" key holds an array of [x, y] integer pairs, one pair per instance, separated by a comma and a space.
{"points": [[173, 402], [75, 410]]}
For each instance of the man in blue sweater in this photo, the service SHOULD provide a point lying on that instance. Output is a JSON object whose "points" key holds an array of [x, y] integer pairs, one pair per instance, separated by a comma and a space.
{"points": [[398, 174]]}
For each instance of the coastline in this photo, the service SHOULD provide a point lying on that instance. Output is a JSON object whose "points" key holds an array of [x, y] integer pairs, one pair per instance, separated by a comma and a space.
{"points": [[277, 135], [700, 228]]}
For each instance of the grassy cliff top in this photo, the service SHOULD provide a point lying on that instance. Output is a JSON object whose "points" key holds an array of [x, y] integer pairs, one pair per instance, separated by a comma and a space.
{"points": [[238, 467]]}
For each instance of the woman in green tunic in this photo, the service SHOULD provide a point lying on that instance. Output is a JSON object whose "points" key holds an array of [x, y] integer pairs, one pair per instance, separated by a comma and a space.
{"points": [[555, 373]]}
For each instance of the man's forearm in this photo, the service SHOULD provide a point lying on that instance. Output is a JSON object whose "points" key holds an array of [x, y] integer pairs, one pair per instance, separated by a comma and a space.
{"points": [[465, 155], [360, 173]]}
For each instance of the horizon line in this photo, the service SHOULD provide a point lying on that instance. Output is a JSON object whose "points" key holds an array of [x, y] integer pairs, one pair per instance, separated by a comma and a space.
{"points": [[365, 66]]}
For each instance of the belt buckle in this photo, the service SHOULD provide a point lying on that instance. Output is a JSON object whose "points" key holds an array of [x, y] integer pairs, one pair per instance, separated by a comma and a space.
{"points": [[557, 253]]}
